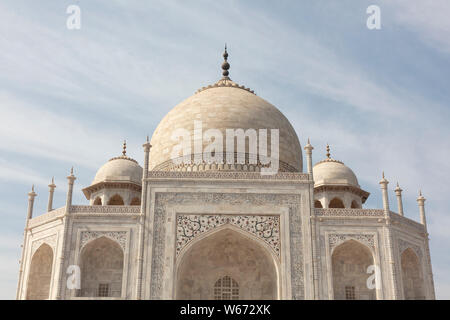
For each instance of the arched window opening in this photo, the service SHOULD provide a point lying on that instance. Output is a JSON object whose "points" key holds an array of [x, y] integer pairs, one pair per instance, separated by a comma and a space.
{"points": [[336, 203], [116, 200], [40, 274], [355, 205], [350, 261], [412, 276], [98, 201], [101, 269], [135, 202], [226, 265], [226, 288], [317, 204]]}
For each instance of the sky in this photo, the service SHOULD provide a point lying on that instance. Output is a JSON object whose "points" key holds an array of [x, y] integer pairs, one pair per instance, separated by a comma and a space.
{"points": [[380, 98]]}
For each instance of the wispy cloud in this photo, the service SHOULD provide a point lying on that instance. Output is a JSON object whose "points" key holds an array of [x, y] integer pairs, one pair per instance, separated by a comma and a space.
{"points": [[428, 19], [71, 97]]}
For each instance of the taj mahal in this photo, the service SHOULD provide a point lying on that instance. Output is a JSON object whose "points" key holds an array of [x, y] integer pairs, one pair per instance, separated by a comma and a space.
{"points": [[220, 230]]}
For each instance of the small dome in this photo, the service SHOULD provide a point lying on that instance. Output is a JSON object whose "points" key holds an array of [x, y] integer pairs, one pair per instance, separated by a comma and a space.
{"points": [[333, 172], [120, 169]]}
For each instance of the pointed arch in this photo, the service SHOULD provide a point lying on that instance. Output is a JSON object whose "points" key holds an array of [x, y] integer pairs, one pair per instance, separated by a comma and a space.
{"points": [[102, 263], [98, 201], [336, 203], [226, 251], [135, 201], [412, 276], [116, 200], [350, 261], [39, 278], [318, 204], [355, 205]]}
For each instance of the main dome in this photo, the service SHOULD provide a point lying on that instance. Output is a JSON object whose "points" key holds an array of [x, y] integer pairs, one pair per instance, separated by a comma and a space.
{"points": [[222, 106]]}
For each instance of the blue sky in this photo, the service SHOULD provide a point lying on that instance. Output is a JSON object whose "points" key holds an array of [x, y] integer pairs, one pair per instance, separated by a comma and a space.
{"points": [[380, 98]]}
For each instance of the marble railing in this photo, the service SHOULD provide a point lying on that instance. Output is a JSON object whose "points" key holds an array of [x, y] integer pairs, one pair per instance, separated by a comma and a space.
{"points": [[290, 176], [46, 217], [107, 210], [81, 210], [378, 213], [335, 212], [398, 219]]}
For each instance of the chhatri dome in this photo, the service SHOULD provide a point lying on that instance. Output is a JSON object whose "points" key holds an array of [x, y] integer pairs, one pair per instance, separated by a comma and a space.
{"points": [[117, 182], [122, 168], [225, 105], [333, 172], [336, 185]]}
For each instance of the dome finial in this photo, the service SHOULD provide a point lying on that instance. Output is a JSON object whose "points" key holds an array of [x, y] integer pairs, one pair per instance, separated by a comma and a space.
{"points": [[328, 151], [124, 152], [225, 64]]}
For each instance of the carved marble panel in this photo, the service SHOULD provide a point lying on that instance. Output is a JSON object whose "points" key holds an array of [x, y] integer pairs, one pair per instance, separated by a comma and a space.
{"points": [[336, 239], [50, 240], [119, 236], [162, 200], [267, 228], [403, 245]]}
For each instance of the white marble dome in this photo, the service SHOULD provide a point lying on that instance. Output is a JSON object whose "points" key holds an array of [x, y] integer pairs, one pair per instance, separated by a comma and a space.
{"points": [[222, 106], [333, 172], [119, 169]]}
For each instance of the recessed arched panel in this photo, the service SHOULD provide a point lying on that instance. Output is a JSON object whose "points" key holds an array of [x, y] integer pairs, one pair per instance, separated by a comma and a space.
{"points": [[135, 202], [355, 205], [413, 284], [39, 279], [350, 261], [317, 204], [116, 200], [98, 201], [101, 269], [227, 253], [336, 203]]}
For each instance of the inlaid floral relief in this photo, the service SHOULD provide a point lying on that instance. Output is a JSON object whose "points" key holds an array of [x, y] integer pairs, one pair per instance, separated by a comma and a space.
{"points": [[267, 228]]}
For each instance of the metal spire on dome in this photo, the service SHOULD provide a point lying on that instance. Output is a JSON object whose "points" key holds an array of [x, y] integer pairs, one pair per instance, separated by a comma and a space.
{"points": [[225, 81], [328, 157], [225, 65], [124, 153]]}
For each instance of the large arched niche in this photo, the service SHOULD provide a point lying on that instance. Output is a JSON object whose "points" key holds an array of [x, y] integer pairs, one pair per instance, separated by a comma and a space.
{"points": [[101, 268], [350, 261], [39, 279], [413, 284], [227, 252]]}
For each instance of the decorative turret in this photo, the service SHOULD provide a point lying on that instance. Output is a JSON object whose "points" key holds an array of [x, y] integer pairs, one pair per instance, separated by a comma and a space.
{"points": [[335, 184], [383, 184], [31, 196], [398, 193], [52, 187], [118, 182], [309, 148], [421, 202]]}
